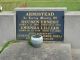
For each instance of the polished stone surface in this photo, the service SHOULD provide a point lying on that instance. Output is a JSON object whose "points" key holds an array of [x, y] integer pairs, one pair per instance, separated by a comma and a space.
{"points": [[48, 51]]}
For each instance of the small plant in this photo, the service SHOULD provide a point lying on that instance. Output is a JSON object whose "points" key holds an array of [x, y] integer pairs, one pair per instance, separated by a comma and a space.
{"points": [[0, 8], [7, 44]]}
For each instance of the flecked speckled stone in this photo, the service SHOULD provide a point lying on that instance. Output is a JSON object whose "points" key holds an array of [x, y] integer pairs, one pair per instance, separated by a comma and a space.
{"points": [[75, 54], [48, 51]]}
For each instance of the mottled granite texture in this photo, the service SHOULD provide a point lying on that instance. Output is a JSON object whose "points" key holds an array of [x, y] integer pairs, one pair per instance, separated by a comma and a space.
{"points": [[48, 51], [75, 54]]}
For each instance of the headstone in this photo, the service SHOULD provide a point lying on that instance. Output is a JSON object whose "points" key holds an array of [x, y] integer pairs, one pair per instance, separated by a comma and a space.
{"points": [[71, 27], [49, 51], [48, 22]]}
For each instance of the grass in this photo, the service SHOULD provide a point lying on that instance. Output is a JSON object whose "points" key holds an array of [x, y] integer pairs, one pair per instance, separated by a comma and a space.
{"points": [[73, 6], [70, 4]]}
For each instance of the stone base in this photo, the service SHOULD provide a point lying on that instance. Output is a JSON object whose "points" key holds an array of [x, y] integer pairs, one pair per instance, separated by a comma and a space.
{"points": [[48, 51], [76, 54]]}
